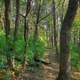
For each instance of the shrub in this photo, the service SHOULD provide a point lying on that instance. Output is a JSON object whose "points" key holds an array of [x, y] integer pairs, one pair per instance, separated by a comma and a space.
{"points": [[75, 56]]}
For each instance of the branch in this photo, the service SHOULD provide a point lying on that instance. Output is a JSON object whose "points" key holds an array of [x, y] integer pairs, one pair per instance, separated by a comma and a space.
{"points": [[44, 17], [22, 15], [28, 7]]}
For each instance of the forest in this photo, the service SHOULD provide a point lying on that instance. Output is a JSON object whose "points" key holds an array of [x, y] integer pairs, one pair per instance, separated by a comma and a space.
{"points": [[39, 39]]}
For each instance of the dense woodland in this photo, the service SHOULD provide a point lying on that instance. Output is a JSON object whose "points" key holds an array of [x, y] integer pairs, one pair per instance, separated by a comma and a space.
{"points": [[39, 39]]}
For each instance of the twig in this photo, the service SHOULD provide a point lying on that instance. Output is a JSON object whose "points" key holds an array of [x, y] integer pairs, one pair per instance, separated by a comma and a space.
{"points": [[44, 17]]}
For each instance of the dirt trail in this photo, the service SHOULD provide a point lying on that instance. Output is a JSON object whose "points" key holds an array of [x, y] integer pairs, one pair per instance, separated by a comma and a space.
{"points": [[51, 70], [48, 72]]}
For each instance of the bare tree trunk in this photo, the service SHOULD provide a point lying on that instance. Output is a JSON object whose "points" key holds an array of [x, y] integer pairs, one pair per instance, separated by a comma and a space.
{"points": [[26, 29], [17, 19], [37, 21], [55, 29], [36, 31], [64, 73], [7, 20], [7, 31], [16, 26]]}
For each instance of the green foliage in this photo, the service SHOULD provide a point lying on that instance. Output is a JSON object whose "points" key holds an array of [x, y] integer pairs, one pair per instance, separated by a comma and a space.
{"points": [[1, 3], [19, 47], [75, 56], [32, 48], [75, 51], [2, 40], [76, 23], [43, 38], [35, 49], [2, 46]]}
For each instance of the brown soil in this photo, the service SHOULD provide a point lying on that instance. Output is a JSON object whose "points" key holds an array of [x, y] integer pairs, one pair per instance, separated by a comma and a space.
{"points": [[44, 72], [48, 72]]}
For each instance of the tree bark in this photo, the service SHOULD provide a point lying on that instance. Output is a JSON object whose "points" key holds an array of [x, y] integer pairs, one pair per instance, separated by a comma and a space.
{"points": [[7, 20], [17, 19], [26, 29], [64, 73], [7, 31], [36, 31], [55, 29]]}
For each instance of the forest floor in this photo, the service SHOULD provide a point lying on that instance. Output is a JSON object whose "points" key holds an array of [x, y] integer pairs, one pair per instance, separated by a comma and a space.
{"points": [[48, 72], [44, 71]]}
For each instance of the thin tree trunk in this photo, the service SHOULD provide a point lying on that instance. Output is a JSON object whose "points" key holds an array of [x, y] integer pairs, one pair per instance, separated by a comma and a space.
{"points": [[7, 31], [26, 29], [16, 26], [17, 19], [36, 31], [64, 73], [7, 20], [55, 29]]}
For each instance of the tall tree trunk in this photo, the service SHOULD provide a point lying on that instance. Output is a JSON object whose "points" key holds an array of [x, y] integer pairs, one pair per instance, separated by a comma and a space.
{"points": [[17, 19], [55, 29], [26, 29], [7, 20], [37, 21], [64, 73], [16, 26], [36, 31], [7, 31]]}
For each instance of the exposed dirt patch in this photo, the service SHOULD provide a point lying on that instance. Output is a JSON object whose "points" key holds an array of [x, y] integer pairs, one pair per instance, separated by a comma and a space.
{"points": [[48, 72]]}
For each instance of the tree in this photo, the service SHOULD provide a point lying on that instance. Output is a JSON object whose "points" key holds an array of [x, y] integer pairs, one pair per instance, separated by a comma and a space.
{"points": [[55, 29], [7, 20], [64, 40], [36, 30], [7, 31], [17, 19], [26, 28]]}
